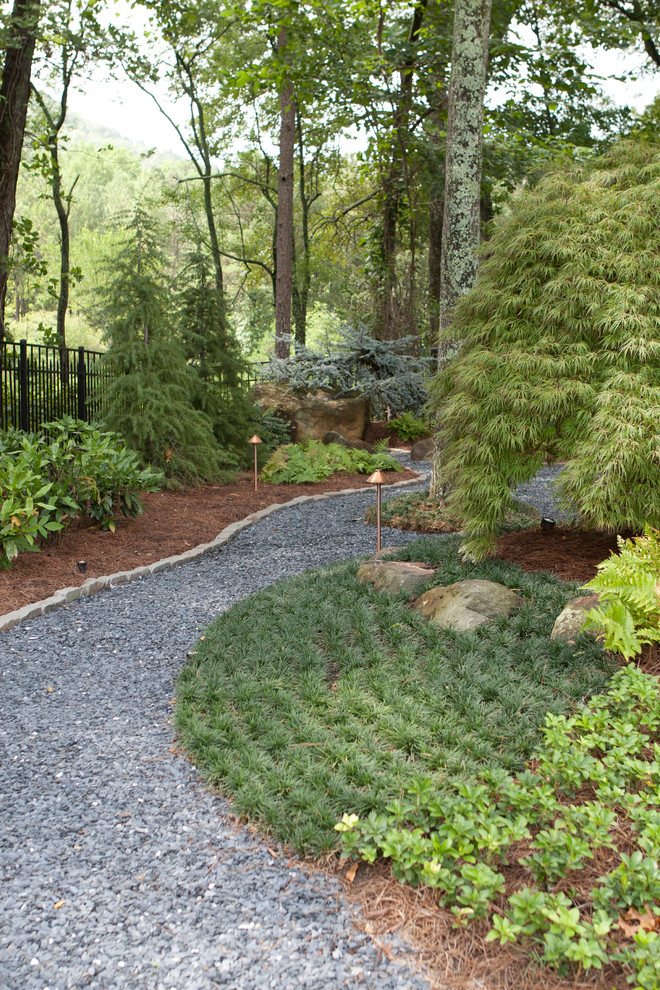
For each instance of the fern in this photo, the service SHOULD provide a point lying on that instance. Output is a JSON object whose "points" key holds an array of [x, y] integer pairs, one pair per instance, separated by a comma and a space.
{"points": [[628, 586], [313, 461]]}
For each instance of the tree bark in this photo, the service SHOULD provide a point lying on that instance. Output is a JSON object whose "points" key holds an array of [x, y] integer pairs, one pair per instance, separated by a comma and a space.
{"points": [[462, 221], [14, 98], [284, 277]]}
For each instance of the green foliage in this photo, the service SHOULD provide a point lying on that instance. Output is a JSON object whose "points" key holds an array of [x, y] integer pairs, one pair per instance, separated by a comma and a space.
{"points": [[425, 513], [560, 355], [71, 470], [312, 461], [627, 584], [460, 842], [318, 694], [273, 428], [382, 369], [151, 400], [410, 427]]}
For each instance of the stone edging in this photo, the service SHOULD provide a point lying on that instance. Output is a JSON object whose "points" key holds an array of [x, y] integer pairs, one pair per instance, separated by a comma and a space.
{"points": [[92, 585]]}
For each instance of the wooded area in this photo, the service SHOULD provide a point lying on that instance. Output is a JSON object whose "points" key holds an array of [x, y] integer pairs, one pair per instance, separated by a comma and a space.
{"points": [[271, 213]]}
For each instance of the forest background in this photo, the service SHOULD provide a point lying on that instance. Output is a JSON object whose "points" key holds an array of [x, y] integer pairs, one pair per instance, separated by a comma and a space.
{"points": [[363, 85]]}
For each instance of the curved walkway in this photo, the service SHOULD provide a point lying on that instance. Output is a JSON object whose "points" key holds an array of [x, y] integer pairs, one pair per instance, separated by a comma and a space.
{"points": [[118, 868]]}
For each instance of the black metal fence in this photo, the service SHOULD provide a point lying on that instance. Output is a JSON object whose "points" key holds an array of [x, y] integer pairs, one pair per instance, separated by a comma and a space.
{"points": [[39, 383]]}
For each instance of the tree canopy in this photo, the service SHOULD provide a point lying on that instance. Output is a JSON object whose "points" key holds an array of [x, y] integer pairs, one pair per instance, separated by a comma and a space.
{"points": [[561, 350]]}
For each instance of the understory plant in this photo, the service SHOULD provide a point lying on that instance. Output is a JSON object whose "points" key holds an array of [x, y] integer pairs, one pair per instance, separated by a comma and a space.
{"points": [[313, 461], [594, 781], [410, 427], [628, 585], [560, 340], [390, 372], [70, 470], [425, 513]]}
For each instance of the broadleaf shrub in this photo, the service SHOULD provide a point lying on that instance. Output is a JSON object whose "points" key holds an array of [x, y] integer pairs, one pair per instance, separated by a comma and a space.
{"points": [[393, 378], [71, 470]]}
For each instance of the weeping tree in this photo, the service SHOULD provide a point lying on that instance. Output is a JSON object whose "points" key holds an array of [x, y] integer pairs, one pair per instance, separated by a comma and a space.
{"points": [[561, 351], [151, 399]]}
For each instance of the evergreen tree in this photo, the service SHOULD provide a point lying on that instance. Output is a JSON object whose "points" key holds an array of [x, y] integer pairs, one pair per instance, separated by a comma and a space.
{"points": [[561, 352], [150, 400], [214, 355]]}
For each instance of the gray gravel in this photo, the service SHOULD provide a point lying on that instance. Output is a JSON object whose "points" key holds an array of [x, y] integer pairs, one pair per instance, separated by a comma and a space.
{"points": [[118, 869]]}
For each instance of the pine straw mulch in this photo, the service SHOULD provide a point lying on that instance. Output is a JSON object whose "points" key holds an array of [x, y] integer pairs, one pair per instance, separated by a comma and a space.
{"points": [[172, 523]]}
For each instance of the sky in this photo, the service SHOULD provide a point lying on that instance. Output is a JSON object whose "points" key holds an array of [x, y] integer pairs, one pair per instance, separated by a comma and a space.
{"points": [[121, 106]]}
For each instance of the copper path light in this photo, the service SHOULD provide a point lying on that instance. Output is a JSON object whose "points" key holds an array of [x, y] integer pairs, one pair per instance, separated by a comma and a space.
{"points": [[378, 479], [255, 441]]}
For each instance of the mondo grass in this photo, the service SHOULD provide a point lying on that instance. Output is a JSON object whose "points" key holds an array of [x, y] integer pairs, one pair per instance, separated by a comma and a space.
{"points": [[319, 696]]}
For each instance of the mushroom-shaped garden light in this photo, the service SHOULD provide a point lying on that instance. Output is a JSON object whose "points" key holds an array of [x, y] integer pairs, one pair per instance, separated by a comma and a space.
{"points": [[378, 479], [255, 441]]}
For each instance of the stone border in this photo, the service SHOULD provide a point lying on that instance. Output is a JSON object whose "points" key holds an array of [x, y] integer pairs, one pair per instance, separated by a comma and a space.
{"points": [[92, 585]]}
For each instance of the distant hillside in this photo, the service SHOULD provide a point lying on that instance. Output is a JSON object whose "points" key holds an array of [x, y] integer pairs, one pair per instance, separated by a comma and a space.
{"points": [[79, 130]]}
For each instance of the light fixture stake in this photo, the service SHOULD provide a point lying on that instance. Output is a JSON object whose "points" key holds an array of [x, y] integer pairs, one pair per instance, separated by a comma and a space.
{"points": [[377, 479], [255, 441]]}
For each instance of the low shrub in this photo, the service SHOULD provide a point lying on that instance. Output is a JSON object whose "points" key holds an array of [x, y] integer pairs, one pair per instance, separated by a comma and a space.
{"points": [[425, 513], [384, 370], [593, 786], [628, 584], [410, 427], [71, 470], [312, 461]]}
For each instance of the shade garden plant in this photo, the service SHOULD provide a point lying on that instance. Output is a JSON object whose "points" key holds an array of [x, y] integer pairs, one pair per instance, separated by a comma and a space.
{"points": [[70, 471], [319, 696]]}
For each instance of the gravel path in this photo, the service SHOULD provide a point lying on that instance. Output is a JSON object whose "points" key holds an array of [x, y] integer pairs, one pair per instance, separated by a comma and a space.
{"points": [[118, 869]]}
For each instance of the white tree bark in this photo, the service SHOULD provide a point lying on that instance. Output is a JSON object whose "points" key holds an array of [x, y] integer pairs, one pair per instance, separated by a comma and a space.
{"points": [[465, 118]]}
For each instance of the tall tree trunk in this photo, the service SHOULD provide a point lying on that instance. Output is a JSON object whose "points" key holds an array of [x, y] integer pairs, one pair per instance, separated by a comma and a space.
{"points": [[461, 221], [301, 265], [284, 277], [395, 183], [436, 210], [465, 121], [14, 98]]}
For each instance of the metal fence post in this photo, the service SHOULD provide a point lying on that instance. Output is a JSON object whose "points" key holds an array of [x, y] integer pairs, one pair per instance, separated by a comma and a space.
{"points": [[82, 385], [23, 383]]}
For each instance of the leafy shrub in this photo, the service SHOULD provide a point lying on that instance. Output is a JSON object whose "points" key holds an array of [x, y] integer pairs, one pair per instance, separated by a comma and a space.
{"points": [[410, 427], [463, 842], [72, 470], [381, 369], [628, 584], [559, 360], [425, 513], [313, 461]]}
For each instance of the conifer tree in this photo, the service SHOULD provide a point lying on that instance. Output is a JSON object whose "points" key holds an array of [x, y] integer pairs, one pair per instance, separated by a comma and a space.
{"points": [[150, 400], [561, 352]]}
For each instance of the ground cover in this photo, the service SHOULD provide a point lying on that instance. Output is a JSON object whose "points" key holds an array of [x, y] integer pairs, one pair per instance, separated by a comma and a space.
{"points": [[423, 513], [319, 696]]}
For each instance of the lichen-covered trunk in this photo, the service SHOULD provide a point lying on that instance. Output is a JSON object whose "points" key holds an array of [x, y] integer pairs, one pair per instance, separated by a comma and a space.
{"points": [[14, 97], [461, 220], [284, 277]]}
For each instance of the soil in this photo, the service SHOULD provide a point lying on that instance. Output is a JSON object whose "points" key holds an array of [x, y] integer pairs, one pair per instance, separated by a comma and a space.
{"points": [[172, 523]]}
